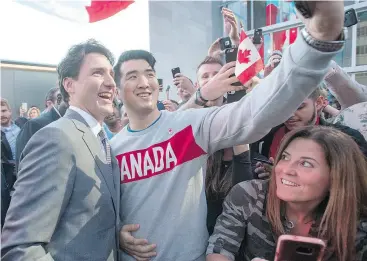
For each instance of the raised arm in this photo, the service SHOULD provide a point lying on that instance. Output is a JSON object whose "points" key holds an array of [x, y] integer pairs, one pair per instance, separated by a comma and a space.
{"points": [[277, 96]]}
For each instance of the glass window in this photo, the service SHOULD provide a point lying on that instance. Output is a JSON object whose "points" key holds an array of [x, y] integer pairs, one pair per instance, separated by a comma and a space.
{"points": [[361, 39], [361, 78], [344, 59], [240, 10]]}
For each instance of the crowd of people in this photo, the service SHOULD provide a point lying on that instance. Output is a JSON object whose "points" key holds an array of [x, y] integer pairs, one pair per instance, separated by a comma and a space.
{"points": [[108, 172]]}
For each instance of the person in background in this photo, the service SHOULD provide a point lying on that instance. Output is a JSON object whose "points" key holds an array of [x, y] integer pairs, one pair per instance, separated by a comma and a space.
{"points": [[185, 87], [113, 123], [54, 100], [307, 114], [65, 201], [9, 133], [318, 188], [33, 112]]}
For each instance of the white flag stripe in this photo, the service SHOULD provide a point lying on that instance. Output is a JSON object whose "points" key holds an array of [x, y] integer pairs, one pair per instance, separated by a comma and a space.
{"points": [[72, 11], [253, 57]]}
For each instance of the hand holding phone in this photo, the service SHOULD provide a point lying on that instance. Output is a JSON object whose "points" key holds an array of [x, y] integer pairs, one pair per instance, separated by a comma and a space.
{"points": [[297, 248], [257, 36], [175, 71], [231, 56]]}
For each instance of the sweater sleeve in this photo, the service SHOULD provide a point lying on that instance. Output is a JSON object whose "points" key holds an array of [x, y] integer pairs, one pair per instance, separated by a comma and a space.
{"points": [[347, 91], [269, 104]]}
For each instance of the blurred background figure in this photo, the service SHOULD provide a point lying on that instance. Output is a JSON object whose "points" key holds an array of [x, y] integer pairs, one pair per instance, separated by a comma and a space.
{"points": [[33, 112]]}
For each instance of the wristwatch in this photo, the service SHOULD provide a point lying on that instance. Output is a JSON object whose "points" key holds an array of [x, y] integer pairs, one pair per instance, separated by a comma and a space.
{"points": [[324, 46], [199, 100]]}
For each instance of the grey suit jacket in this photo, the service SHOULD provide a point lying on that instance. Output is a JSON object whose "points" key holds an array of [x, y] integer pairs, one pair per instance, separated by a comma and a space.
{"points": [[66, 202]]}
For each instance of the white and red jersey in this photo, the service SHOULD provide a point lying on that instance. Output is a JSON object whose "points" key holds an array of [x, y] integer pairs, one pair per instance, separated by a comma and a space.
{"points": [[162, 182]]}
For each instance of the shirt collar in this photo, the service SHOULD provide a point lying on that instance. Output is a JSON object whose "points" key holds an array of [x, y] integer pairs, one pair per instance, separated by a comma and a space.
{"points": [[10, 128], [94, 125]]}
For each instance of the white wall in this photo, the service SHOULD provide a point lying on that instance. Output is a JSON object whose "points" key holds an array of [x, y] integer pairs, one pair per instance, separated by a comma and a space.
{"points": [[32, 36]]}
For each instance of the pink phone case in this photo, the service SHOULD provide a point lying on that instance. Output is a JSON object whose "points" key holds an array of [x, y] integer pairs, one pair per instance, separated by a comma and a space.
{"points": [[296, 248]]}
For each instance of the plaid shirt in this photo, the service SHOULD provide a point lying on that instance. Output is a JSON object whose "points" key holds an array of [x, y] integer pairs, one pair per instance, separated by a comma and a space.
{"points": [[243, 221], [11, 134]]}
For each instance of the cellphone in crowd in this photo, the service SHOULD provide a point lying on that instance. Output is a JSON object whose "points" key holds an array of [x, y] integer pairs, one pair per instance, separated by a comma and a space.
{"points": [[306, 8], [160, 106], [264, 161], [350, 18], [160, 83], [257, 36], [24, 106], [235, 96], [225, 43], [175, 71], [231, 56], [291, 247]]}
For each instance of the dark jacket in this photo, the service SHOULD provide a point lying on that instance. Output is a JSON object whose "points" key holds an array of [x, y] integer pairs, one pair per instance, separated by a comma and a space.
{"points": [[30, 128], [262, 146]]}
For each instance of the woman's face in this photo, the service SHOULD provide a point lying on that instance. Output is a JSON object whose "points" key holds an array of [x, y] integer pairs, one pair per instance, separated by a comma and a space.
{"points": [[302, 173], [33, 114]]}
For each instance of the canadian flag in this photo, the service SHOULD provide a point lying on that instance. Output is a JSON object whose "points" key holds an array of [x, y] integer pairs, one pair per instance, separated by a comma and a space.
{"points": [[249, 62], [82, 11]]}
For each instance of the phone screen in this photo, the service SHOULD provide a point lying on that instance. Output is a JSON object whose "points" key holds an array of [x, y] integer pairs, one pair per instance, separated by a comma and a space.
{"points": [[350, 18], [231, 56], [257, 36], [225, 43], [175, 71]]}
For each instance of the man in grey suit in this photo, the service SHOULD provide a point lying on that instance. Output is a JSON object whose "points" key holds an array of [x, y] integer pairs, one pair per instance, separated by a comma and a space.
{"points": [[65, 203]]}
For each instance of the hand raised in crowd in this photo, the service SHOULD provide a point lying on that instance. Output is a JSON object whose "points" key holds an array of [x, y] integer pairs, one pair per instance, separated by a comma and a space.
{"points": [[214, 49], [169, 105], [230, 25], [221, 83], [327, 21], [263, 170], [274, 60], [184, 83], [140, 249]]}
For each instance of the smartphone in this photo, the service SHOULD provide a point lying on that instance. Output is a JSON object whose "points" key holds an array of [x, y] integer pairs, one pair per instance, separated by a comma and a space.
{"points": [[231, 56], [295, 248], [350, 18], [306, 8], [257, 36], [225, 43], [264, 161], [175, 71], [160, 106], [235, 96], [160, 83], [24, 106]]}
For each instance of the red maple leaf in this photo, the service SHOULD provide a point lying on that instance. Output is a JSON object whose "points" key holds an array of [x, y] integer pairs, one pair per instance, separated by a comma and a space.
{"points": [[243, 56]]}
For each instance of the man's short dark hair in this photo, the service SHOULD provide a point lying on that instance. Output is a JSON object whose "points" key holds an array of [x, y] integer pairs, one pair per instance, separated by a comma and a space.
{"points": [[50, 96], [70, 66], [210, 60], [132, 55]]}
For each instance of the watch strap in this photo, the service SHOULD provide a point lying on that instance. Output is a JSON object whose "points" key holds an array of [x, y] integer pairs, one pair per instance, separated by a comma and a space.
{"points": [[324, 46]]}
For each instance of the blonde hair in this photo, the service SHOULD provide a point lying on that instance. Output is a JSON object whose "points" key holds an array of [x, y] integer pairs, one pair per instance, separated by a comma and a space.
{"points": [[346, 202], [33, 109]]}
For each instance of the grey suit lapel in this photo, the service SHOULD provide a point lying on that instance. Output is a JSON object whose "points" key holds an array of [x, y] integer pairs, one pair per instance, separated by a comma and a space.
{"points": [[96, 151]]}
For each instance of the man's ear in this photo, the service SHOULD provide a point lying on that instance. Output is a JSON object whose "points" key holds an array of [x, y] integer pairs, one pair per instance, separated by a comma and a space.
{"points": [[68, 84], [196, 85]]}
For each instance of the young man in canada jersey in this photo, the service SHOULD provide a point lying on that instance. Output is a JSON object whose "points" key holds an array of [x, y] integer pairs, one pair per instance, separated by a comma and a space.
{"points": [[161, 153]]}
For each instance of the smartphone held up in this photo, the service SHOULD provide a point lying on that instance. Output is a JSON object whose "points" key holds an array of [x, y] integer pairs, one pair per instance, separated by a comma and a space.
{"points": [[296, 248]]}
